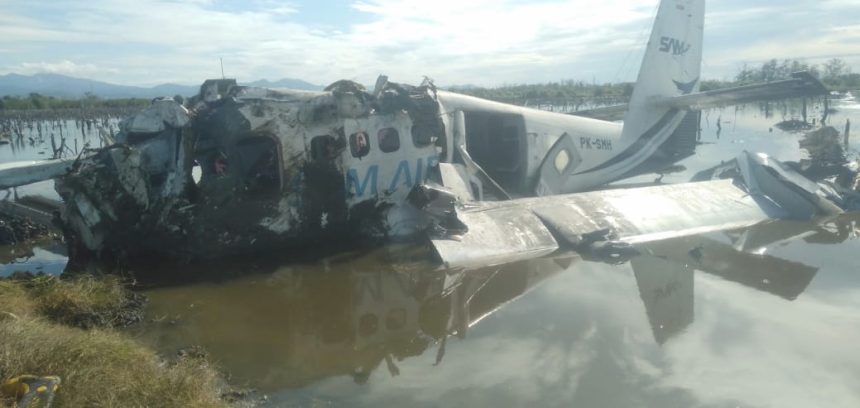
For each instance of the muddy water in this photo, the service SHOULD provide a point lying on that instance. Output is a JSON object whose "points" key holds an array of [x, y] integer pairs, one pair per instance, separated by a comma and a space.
{"points": [[768, 316]]}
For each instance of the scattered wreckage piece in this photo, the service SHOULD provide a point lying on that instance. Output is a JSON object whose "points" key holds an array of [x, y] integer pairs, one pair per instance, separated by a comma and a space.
{"points": [[40, 210], [828, 159], [798, 196], [603, 224]]}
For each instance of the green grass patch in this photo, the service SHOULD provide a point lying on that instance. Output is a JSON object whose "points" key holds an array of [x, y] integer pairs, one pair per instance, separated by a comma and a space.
{"points": [[86, 301], [99, 367]]}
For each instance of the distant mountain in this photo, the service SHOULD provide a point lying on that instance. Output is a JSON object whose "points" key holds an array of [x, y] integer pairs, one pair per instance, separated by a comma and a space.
{"points": [[62, 86]]}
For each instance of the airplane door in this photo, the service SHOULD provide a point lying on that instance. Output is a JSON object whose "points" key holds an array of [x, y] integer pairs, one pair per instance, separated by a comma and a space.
{"points": [[557, 167]]}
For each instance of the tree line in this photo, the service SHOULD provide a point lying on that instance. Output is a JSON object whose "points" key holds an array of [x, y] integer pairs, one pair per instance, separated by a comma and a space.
{"points": [[36, 101], [835, 73]]}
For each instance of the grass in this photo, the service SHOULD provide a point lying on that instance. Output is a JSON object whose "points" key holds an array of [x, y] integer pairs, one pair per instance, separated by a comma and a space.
{"points": [[83, 302], [99, 367]]}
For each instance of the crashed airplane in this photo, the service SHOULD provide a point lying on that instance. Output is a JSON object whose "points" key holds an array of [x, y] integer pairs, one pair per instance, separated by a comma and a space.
{"points": [[238, 169]]}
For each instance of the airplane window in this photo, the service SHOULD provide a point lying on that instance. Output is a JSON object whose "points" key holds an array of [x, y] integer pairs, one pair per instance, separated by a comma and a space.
{"points": [[359, 144], [389, 140], [562, 160]]}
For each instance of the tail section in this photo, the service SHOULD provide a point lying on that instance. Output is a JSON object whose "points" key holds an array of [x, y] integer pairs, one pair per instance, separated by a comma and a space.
{"points": [[671, 68], [673, 60]]}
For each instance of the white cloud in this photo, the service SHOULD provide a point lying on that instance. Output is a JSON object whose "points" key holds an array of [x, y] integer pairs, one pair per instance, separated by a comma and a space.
{"points": [[64, 67], [483, 41], [835, 42], [787, 354], [519, 369]]}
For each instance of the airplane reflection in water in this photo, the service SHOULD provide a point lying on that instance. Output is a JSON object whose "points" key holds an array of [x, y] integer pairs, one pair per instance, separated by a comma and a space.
{"points": [[347, 316], [350, 315], [665, 271]]}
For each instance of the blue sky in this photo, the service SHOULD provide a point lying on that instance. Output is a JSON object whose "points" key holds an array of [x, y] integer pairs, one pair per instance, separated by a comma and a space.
{"points": [[483, 42]]}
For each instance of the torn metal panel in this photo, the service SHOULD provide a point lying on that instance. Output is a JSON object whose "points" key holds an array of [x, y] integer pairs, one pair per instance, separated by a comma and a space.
{"points": [[157, 117], [497, 235], [796, 196]]}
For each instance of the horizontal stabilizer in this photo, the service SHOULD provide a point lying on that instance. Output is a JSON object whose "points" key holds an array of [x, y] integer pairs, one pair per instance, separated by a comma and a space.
{"points": [[612, 113], [801, 85]]}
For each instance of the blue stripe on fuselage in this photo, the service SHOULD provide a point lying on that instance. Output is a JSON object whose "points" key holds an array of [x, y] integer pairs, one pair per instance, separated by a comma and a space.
{"points": [[366, 183]]}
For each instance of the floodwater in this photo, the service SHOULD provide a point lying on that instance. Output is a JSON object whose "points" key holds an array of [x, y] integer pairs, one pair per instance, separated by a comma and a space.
{"points": [[763, 317]]}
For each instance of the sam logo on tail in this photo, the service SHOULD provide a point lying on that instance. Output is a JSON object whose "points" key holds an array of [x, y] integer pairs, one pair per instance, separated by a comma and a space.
{"points": [[686, 88], [673, 45]]}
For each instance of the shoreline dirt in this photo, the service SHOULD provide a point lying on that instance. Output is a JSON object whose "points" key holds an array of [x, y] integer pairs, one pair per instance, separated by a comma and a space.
{"points": [[68, 328]]}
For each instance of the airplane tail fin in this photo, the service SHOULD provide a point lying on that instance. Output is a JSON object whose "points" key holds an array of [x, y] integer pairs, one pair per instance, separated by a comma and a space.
{"points": [[671, 68]]}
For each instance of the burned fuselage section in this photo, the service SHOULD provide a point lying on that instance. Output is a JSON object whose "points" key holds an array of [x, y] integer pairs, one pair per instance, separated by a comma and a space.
{"points": [[240, 169]]}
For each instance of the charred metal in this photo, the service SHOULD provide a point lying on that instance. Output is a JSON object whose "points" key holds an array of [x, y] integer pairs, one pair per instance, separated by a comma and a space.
{"points": [[240, 169]]}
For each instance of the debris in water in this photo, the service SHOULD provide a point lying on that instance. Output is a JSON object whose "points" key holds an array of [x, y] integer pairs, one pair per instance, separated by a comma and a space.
{"points": [[793, 125], [15, 230]]}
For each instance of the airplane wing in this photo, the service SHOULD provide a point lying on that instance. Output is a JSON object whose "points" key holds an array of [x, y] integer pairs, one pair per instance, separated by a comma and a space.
{"points": [[22, 173], [801, 85], [603, 224], [508, 231]]}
